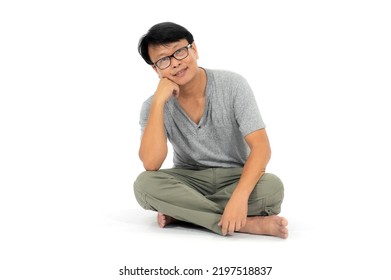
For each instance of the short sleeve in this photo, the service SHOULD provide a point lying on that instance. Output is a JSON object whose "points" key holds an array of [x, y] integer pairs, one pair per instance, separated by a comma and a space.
{"points": [[246, 110], [144, 113]]}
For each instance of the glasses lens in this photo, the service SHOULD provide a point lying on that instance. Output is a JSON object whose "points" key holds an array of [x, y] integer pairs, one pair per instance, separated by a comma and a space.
{"points": [[181, 53], [163, 63]]}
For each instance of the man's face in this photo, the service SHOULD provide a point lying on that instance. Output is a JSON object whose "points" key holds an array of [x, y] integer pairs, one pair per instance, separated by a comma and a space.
{"points": [[180, 71]]}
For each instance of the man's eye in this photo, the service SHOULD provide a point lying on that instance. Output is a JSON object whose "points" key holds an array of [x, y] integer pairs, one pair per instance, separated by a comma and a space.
{"points": [[180, 52]]}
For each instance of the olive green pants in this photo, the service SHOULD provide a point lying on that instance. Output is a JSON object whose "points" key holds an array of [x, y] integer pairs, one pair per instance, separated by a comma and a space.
{"points": [[199, 196]]}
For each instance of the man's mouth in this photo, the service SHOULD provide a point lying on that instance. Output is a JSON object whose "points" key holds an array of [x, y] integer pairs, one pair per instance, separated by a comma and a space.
{"points": [[180, 73]]}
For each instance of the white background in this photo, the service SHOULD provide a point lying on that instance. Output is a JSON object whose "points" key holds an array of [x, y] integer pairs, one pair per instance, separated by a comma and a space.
{"points": [[72, 83]]}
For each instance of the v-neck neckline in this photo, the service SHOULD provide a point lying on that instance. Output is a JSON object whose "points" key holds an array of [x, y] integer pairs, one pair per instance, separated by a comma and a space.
{"points": [[204, 114], [206, 106]]}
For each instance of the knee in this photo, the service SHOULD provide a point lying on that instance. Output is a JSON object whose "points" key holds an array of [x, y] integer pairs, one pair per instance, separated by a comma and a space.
{"points": [[273, 183], [269, 188], [142, 188], [143, 182], [275, 194]]}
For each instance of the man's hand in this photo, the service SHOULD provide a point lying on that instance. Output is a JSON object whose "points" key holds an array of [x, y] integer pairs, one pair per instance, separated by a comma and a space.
{"points": [[166, 89], [235, 214]]}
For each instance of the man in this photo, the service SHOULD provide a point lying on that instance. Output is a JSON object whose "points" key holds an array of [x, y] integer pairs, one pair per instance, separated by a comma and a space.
{"points": [[220, 144]]}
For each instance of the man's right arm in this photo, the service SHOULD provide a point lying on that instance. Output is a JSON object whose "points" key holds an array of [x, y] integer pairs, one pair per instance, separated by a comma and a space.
{"points": [[153, 147]]}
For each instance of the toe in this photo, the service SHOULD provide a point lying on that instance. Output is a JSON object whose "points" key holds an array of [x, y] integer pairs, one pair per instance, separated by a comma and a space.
{"points": [[284, 222]]}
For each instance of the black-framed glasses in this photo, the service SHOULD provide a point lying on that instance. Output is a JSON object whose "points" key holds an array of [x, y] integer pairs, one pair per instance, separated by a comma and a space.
{"points": [[180, 54]]}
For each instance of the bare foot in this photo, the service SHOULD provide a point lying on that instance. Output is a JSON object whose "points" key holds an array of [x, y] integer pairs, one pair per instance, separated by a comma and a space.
{"points": [[164, 220], [266, 225]]}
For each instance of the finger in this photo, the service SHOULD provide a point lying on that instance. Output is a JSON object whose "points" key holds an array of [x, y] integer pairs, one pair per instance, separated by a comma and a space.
{"points": [[231, 229], [224, 228]]}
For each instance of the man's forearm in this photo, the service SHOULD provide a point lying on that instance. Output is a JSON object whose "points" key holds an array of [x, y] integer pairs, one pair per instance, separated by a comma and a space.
{"points": [[253, 170], [256, 163], [153, 147]]}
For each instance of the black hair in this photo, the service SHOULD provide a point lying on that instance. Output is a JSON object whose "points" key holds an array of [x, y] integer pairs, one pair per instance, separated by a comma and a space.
{"points": [[161, 34]]}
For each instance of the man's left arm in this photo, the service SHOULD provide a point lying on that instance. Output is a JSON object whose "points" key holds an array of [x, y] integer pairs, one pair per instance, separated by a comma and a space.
{"points": [[235, 212]]}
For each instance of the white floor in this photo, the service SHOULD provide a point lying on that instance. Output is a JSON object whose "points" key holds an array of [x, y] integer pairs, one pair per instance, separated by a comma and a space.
{"points": [[314, 250]]}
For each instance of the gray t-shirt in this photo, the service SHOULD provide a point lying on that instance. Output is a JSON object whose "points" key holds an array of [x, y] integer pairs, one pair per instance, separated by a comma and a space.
{"points": [[230, 113]]}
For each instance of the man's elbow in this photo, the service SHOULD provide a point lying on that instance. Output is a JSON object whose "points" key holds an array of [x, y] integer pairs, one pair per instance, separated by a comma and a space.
{"points": [[151, 166], [151, 161], [262, 150]]}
